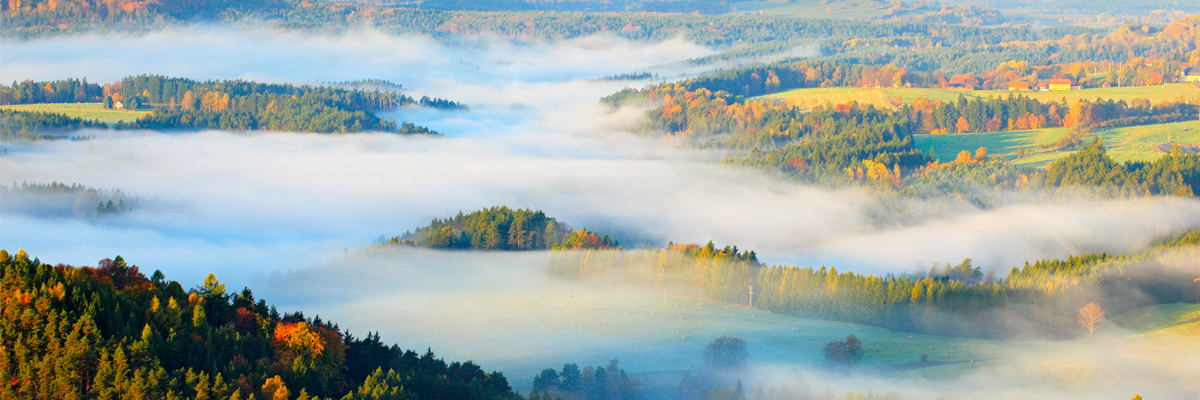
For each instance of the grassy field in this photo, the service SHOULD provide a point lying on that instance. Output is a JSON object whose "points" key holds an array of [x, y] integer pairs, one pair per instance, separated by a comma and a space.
{"points": [[893, 97], [1163, 320], [813, 8], [880, 97], [82, 110], [1133, 143]]}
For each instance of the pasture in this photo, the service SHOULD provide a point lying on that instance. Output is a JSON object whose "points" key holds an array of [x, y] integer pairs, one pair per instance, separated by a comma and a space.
{"points": [[1133, 143], [1163, 321], [87, 111]]}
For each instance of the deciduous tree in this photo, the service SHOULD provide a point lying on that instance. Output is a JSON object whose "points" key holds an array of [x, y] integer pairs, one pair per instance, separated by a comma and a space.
{"points": [[1090, 316]]}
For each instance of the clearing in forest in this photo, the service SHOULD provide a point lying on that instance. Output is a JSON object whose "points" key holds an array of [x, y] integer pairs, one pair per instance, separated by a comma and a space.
{"points": [[88, 111], [1132, 143]]}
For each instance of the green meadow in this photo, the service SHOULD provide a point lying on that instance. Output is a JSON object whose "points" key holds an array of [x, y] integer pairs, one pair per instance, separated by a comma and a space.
{"points": [[1134, 143], [90, 111]]}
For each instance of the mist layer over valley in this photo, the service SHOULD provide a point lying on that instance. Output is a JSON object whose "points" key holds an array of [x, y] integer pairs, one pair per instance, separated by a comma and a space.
{"points": [[535, 137], [287, 213]]}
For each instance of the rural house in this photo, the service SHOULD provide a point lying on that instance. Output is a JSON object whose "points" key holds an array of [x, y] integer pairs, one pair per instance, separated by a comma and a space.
{"points": [[1060, 85], [1020, 86], [1191, 74]]}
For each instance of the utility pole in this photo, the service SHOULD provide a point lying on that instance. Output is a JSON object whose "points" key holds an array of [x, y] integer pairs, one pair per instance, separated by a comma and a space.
{"points": [[751, 295]]}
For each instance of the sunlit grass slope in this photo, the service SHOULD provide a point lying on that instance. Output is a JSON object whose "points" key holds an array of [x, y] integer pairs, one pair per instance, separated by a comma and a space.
{"points": [[1134, 143], [1163, 320], [88, 111]]}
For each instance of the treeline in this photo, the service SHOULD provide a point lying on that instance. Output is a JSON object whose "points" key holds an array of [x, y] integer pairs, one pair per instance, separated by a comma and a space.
{"points": [[502, 228], [1036, 300], [722, 274], [442, 104], [60, 91], [188, 104], [33, 125], [1016, 112], [1090, 168], [111, 332], [590, 383], [56, 199]]}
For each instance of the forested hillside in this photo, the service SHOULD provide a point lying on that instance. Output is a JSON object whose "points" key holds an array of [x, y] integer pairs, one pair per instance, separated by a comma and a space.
{"points": [[852, 144], [110, 332], [502, 228], [28, 125], [180, 103]]}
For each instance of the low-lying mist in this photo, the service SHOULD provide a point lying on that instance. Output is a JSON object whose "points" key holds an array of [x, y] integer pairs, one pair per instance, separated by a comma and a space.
{"points": [[277, 212], [535, 137], [502, 311]]}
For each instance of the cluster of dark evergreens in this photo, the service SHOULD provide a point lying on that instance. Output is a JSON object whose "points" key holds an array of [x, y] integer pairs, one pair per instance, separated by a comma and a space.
{"points": [[502, 228], [1090, 168], [1038, 299], [590, 383], [441, 104], [110, 332], [32, 125], [61, 91], [59, 200], [839, 354]]}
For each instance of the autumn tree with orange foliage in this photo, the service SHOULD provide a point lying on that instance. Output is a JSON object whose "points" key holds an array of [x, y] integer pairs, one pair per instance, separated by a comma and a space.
{"points": [[1090, 316]]}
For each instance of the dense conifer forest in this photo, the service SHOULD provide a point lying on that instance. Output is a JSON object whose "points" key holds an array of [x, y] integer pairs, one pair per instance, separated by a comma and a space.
{"points": [[110, 332], [34, 125]]}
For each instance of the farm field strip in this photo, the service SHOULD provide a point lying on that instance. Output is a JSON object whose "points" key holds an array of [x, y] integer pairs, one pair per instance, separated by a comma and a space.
{"points": [[88, 111], [1134, 143]]}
